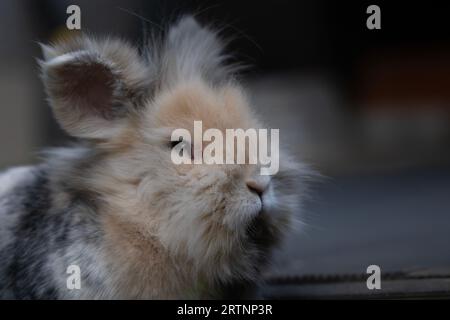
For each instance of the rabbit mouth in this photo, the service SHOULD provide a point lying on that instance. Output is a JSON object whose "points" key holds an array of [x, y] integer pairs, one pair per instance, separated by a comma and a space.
{"points": [[256, 210]]}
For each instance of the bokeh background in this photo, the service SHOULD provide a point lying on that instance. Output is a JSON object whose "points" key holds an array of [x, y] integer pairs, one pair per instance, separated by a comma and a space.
{"points": [[369, 109]]}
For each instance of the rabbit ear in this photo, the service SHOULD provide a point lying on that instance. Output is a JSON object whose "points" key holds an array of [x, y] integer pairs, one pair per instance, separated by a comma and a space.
{"points": [[192, 51], [93, 85]]}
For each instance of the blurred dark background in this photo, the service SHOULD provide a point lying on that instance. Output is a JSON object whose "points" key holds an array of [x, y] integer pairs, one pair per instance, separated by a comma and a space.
{"points": [[370, 109]]}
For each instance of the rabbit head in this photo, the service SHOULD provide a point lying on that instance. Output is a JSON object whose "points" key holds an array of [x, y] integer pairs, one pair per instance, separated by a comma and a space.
{"points": [[124, 105]]}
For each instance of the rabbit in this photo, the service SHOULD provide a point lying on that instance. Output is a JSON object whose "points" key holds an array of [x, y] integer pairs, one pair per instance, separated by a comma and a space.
{"points": [[114, 204]]}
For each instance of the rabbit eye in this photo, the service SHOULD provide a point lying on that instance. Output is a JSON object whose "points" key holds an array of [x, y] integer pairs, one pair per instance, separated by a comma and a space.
{"points": [[172, 144], [186, 145]]}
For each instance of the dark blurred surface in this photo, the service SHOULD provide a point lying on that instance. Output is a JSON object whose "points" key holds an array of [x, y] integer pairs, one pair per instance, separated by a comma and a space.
{"points": [[399, 221], [370, 109]]}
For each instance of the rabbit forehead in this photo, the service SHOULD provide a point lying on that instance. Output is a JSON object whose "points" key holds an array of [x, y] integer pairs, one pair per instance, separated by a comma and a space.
{"points": [[221, 108]]}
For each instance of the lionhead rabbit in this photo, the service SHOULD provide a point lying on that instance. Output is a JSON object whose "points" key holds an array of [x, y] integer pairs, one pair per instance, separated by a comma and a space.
{"points": [[115, 205]]}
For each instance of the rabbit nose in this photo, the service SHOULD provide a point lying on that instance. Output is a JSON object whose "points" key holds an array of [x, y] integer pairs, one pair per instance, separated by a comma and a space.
{"points": [[258, 184]]}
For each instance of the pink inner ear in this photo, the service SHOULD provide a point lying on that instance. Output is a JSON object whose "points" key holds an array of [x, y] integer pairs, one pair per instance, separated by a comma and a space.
{"points": [[89, 86]]}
